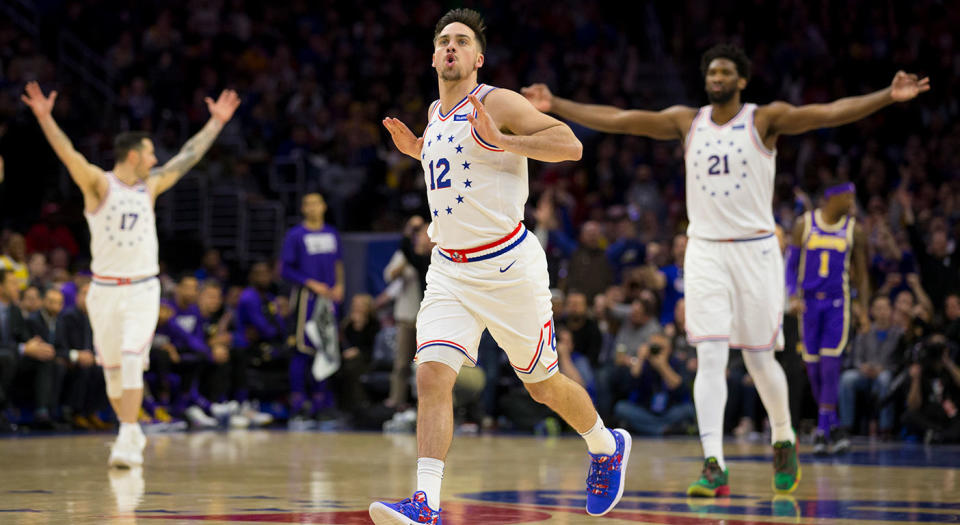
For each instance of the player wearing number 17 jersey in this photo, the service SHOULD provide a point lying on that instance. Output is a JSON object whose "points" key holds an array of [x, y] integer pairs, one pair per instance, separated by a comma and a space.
{"points": [[733, 271], [124, 299], [487, 271]]}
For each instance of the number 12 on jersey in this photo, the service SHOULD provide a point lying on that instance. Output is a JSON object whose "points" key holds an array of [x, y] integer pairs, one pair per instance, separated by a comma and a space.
{"points": [[440, 181]]}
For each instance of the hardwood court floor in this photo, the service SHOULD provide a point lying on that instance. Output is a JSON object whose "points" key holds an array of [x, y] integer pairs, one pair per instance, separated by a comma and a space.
{"points": [[326, 478]]}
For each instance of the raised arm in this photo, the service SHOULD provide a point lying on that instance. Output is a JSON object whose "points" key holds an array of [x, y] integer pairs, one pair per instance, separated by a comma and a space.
{"points": [[508, 120], [669, 124], [88, 177], [786, 119], [164, 177]]}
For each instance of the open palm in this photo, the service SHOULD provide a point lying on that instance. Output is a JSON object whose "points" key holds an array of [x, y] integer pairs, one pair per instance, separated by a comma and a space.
{"points": [[906, 86], [225, 105], [40, 104]]}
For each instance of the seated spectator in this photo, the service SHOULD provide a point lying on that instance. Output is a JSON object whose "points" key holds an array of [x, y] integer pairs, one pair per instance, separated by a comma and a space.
{"points": [[655, 399], [31, 301], [14, 341], [357, 335], [83, 386], [46, 375], [589, 271], [933, 394], [14, 259], [951, 318], [875, 361], [587, 339]]}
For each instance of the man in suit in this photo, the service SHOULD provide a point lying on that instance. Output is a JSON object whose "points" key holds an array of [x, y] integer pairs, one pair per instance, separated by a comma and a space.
{"points": [[74, 345], [44, 372]]}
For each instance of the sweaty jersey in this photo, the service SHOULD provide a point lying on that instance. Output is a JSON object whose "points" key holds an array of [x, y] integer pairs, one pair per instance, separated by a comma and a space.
{"points": [[729, 178], [825, 256], [123, 232], [476, 190]]}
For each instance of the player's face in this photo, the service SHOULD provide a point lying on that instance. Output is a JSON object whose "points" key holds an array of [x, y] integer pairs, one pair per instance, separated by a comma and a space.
{"points": [[144, 159], [456, 53], [314, 207], [723, 81]]}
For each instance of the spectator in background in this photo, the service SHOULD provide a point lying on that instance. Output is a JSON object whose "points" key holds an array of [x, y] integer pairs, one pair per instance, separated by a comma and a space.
{"points": [[312, 261], [669, 279], [260, 326], [628, 251], [358, 332], [406, 287], [50, 233], [589, 270], [14, 341], [638, 327], [31, 301], [891, 265], [587, 339], [212, 267], [875, 359], [14, 259], [933, 396], [939, 270], [40, 274], [82, 386], [655, 398], [46, 375], [951, 313], [70, 288]]}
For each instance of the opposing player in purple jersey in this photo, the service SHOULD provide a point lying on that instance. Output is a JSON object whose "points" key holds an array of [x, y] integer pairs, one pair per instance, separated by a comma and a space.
{"points": [[827, 243]]}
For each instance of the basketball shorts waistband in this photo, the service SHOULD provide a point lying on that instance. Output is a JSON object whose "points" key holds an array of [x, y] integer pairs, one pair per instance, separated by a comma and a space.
{"points": [[487, 251]]}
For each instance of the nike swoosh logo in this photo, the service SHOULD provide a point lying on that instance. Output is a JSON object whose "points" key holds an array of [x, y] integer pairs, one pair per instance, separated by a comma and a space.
{"points": [[764, 252], [508, 267]]}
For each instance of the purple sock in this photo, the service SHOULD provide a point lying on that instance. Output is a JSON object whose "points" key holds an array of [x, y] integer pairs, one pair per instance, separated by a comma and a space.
{"points": [[813, 373], [829, 383]]}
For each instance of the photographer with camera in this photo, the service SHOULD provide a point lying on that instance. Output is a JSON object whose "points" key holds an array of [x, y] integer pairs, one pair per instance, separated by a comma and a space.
{"points": [[654, 393], [934, 393]]}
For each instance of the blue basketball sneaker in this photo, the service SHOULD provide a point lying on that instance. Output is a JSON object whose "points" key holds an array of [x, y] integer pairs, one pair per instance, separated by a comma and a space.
{"points": [[607, 475], [407, 512]]}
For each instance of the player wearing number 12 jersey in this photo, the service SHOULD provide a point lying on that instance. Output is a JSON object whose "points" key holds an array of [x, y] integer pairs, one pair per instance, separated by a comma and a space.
{"points": [[124, 299], [733, 271], [487, 271]]}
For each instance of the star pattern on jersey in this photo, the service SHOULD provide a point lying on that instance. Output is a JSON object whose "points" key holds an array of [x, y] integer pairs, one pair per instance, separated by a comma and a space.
{"points": [[715, 167], [441, 147]]}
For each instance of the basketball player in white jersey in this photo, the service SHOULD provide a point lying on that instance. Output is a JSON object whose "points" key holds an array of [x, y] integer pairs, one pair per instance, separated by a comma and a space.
{"points": [[124, 300], [487, 271], [733, 269]]}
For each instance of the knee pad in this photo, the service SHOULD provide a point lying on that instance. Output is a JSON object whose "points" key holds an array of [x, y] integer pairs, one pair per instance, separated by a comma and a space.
{"points": [[114, 380], [132, 366]]}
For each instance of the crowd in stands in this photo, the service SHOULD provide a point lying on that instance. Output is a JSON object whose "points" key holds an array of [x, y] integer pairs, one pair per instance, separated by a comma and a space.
{"points": [[316, 79]]}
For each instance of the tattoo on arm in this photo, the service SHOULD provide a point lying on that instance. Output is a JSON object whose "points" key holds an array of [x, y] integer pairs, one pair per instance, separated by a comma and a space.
{"points": [[191, 152]]}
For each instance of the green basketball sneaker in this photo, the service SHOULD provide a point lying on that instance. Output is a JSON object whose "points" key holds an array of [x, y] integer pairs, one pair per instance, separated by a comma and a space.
{"points": [[713, 482], [786, 468]]}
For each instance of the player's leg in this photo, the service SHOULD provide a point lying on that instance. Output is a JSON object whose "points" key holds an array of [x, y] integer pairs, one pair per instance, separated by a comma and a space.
{"points": [[448, 335], [517, 310], [835, 330], [708, 312], [811, 331], [757, 271]]}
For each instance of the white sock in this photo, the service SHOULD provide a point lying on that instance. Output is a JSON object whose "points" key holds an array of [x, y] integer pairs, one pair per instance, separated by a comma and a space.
{"points": [[129, 428], [771, 384], [599, 439], [710, 396], [429, 478]]}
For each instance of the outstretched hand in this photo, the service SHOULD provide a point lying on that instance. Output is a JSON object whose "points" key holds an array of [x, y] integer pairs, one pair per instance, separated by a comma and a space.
{"points": [[540, 96], [405, 140], [40, 104], [484, 123], [223, 108], [906, 86]]}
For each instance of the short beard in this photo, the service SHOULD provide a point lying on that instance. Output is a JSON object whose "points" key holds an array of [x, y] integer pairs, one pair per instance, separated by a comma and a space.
{"points": [[722, 97], [452, 75]]}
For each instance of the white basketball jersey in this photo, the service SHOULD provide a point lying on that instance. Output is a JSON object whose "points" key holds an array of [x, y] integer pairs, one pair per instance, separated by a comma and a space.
{"points": [[729, 177], [476, 190], [123, 232]]}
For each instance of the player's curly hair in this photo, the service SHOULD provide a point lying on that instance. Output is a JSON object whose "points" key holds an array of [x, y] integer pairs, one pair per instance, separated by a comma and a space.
{"points": [[467, 17], [731, 52]]}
